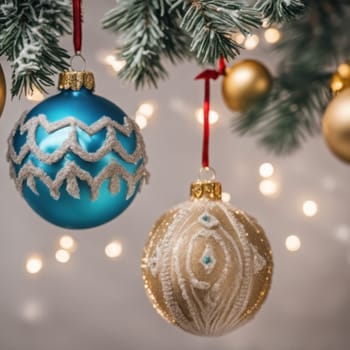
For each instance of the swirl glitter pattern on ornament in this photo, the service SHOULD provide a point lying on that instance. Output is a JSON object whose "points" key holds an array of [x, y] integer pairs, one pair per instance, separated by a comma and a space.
{"points": [[207, 278]]}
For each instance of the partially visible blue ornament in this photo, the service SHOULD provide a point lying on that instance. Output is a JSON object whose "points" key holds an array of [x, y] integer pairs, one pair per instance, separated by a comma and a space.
{"points": [[78, 160]]}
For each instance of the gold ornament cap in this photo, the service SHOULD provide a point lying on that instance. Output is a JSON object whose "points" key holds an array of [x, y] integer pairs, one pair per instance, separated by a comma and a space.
{"points": [[75, 80], [206, 190], [206, 186]]}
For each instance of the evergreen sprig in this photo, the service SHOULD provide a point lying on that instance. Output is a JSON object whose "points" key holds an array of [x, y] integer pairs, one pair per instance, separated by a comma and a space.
{"points": [[148, 30], [276, 11], [310, 51], [29, 38], [151, 30], [212, 24], [291, 112]]}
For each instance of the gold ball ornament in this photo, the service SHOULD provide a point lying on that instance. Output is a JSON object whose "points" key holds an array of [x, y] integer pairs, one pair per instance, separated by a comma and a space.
{"points": [[336, 125], [244, 84], [341, 79], [2, 90], [207, 267]]}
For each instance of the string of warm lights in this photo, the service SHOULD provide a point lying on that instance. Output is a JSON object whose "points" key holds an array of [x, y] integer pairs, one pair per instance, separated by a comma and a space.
{"points": [[66, 246], [269, 187], [271, 35]]}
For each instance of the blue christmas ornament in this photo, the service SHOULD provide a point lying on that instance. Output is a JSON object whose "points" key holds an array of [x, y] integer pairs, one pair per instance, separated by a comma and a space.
{"points": [[77, 159]]}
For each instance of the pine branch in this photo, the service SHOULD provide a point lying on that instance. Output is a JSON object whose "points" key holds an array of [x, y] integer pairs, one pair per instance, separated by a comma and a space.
{"points": [[29, 37], [291, 112], [311, 50], [177, 29], [149, 32], [211, 25], [276, 11]]}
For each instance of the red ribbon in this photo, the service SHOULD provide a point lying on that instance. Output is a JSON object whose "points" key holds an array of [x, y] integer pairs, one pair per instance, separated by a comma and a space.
{"points": [[207, 75], [77, 25], [222, 66]]}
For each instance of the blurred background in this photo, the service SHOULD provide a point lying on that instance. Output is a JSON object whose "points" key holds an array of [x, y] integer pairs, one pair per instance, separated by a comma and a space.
{"points": [[83, 290]]}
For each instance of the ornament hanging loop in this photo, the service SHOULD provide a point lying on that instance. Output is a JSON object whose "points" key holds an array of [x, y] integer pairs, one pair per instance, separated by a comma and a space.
{"points": [[77, 38], [73, 63], [206, 174]]}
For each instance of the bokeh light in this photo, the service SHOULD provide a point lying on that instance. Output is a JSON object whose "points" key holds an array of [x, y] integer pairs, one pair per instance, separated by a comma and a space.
{"points": [[272, 35], [213, 116], [251, 42], [310, 208], [35, 95], [147, 109], [34, 264], [293, 243], [110, 59], [269, 188], [239, 38], [141, 121], [266, 170], [116, 64], [226, 197], [114, 249], [68, 243], [62, 256]]}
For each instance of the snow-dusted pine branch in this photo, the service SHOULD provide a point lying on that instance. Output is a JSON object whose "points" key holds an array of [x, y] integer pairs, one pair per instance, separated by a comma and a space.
{"points": [[29, 38], [280, 10]]}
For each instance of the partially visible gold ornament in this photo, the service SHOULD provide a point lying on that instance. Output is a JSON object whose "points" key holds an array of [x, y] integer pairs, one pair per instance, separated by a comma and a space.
{"points": [[244, 84], [341, 79], [336, 125], [2, 90], [207, 267]]}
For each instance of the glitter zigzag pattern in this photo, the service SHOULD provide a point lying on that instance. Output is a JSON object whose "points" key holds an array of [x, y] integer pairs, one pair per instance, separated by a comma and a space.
{"points": [[71, 144], [71, 172]]}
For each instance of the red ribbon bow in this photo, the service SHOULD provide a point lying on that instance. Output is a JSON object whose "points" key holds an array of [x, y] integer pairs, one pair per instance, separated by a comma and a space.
{"points": [[207, 75]]}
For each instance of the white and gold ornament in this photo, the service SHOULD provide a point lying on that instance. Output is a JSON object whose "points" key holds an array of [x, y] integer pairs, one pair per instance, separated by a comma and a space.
{"points": [[207, 267]]}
